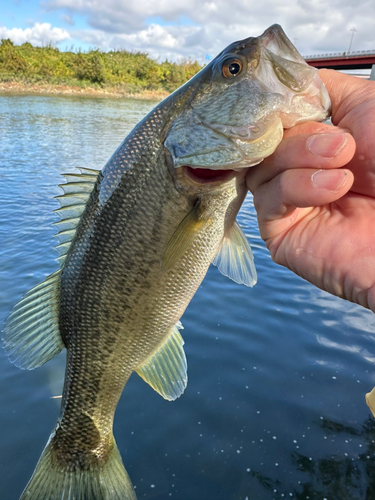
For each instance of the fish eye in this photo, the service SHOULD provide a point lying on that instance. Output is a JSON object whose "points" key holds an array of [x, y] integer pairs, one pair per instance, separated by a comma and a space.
{"points": [[231, 67]]}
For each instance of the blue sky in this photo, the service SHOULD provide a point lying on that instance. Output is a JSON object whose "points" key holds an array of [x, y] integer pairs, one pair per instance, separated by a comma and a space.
{"points": [[177, 29]]}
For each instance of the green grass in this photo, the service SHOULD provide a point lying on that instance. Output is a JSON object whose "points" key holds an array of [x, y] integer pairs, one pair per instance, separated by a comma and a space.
{"points": [[130, 71]]}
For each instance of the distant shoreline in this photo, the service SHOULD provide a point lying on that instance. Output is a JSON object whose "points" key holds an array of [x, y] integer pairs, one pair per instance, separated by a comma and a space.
{"points": [[68, 90]]}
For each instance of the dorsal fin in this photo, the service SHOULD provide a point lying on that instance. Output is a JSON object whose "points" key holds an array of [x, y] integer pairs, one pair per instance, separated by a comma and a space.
{"points": [[235, 258], [31, 333], [165, 370], [77, 191]]}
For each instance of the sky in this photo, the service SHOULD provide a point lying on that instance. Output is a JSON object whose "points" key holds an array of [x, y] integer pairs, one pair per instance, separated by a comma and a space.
{"points": [[195, 29]]}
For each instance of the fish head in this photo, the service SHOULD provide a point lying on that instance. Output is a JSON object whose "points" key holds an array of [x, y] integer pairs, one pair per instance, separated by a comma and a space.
{"points": [[239, 105]]}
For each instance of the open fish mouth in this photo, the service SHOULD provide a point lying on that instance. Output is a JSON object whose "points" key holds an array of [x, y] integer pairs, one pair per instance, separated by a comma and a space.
{"points": [[208, 176], [192, 179]]}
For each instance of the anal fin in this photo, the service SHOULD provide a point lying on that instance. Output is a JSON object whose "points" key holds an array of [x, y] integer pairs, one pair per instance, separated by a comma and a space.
{"points": [[235, 258], [165, 370]]}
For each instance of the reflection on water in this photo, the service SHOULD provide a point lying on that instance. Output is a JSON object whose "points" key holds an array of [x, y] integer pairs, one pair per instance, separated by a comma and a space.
{"points": [[277, 374], [332, 477]]}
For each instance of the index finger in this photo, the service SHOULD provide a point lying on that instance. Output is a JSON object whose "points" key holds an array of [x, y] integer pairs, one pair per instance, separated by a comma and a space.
{"points": [[309, 145]]}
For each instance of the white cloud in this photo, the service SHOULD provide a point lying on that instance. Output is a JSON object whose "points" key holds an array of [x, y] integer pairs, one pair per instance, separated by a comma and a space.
{"points": [[40, 34], [154, 35], [175, 28]]}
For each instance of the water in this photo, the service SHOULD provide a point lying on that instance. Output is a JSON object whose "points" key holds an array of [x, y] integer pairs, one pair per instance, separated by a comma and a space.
{"points": [[274, 406]]}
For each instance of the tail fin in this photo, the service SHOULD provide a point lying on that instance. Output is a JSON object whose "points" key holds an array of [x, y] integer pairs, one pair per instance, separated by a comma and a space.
{"points": [[108, 482]]}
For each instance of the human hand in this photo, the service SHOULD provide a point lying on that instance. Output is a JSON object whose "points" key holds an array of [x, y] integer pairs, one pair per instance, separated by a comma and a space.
{"points": [[317, 218]]}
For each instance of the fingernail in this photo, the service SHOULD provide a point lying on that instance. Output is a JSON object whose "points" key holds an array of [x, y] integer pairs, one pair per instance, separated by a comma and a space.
{"points": [[326, 145], [330, 180]]}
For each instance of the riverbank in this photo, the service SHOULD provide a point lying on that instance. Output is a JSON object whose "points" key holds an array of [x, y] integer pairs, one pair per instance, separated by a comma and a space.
{"points": [[72, 90], [46, 70]]}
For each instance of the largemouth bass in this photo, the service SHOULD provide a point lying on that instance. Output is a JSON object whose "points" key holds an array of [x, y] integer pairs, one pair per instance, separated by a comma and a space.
{"points": [[136, 240]]}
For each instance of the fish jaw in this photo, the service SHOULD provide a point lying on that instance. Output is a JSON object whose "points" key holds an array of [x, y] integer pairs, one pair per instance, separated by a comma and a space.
{"points": [[234, 122]]}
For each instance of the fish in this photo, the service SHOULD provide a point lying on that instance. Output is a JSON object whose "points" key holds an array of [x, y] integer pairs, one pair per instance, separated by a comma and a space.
{"points": [[136, 240]]}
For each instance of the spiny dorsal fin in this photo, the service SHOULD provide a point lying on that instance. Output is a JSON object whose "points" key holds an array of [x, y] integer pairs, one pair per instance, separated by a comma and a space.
{"points": [[181, 240], [77, 191], [31, 334], [235, 258], [166, 369]]}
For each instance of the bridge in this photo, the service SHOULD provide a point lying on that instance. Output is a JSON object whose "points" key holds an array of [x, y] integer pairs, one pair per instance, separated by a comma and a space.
{"points": [[363, 59]]}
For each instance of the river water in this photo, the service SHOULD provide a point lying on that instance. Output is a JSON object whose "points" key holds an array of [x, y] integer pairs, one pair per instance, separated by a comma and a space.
{"points": [[274, 406]]}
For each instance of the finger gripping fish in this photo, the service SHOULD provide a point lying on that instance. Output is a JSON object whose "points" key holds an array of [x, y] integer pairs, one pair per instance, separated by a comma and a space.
{"points": [[136, 240]]}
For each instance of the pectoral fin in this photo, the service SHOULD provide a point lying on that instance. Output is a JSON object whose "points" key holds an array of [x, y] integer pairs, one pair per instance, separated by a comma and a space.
{"points": [[235, 258], [181, 240], [166, 369]]}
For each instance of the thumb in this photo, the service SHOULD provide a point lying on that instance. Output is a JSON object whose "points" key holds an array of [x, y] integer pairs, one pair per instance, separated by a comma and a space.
{"points": [[345, 92]]}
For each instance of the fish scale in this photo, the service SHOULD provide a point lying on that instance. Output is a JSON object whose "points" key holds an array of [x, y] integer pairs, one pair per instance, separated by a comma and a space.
{"points": [[136, 240]]}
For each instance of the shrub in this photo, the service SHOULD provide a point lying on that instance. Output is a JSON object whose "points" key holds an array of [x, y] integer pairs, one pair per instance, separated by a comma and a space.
{"points": [[90, 67]]}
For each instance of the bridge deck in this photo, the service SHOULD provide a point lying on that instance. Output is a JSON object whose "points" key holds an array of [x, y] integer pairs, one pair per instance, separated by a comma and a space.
{"points": [[343, 60]]}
